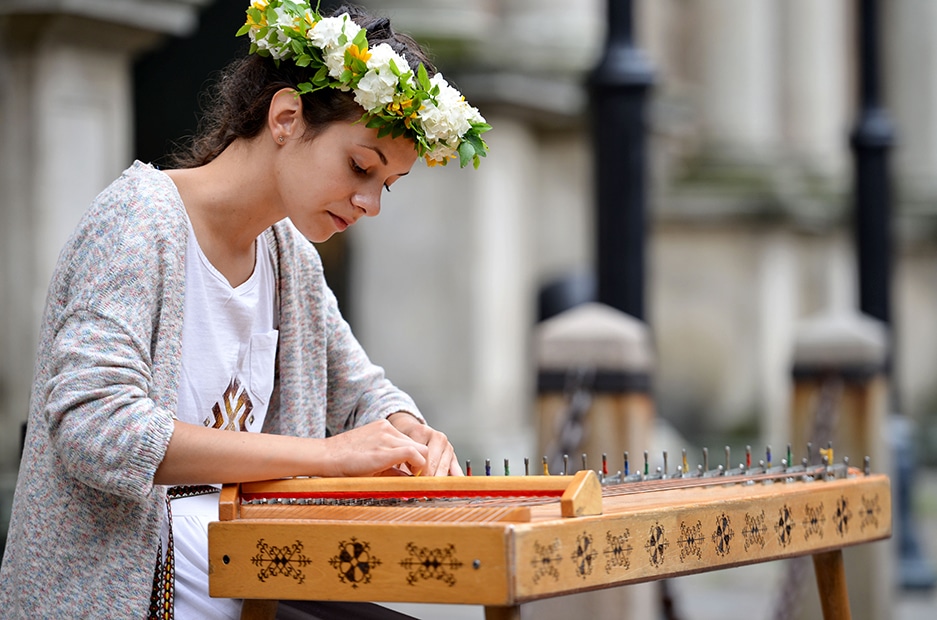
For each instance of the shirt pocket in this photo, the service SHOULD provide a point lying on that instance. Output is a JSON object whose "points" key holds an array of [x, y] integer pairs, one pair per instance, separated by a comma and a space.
{"points": [[263, 355]]}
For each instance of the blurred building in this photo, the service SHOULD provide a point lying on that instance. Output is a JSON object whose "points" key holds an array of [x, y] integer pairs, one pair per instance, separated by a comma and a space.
{"points": [[750, 181]]}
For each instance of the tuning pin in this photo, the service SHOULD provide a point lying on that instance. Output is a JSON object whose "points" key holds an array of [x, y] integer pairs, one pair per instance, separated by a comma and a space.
{"points": [[705, 459], [565, 464], [487, 467], [468, 467], [546, 468], [526, 466], [728, 458], [686, 466], [768, 456], [647, 468], [748, 457], [604, 464], [666, 471], [627, 468], [584, 460], [507, 468], [867, 465]]}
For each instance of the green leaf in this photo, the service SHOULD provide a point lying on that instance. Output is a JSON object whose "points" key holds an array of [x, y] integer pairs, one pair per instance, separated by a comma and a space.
{"points": [[422, 77], [466, 153]]}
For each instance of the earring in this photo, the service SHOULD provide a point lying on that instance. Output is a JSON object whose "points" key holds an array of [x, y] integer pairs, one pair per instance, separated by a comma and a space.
{"points": [[280, 139]]}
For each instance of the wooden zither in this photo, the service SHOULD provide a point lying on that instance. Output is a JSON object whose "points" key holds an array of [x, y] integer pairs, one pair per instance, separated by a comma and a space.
{"points": [[499, 541]]}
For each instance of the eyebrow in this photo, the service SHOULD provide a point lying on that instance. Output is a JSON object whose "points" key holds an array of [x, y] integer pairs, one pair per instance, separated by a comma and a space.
{"points": [[380, 154], [378, 151]]}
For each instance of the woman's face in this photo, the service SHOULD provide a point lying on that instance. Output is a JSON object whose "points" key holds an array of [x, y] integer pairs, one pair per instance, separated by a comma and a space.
{"points": [[326, 184]]}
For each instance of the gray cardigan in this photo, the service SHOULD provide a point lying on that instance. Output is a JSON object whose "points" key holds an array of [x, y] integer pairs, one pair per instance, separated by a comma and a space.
{"points": [[84, 530]]}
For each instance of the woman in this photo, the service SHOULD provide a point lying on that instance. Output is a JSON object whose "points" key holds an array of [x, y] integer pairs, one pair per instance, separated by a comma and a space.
{"points": [[191, 300]]}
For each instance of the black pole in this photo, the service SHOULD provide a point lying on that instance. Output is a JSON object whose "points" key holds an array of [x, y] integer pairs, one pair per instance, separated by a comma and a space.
{"points": [[871, 140], [618, 88]]}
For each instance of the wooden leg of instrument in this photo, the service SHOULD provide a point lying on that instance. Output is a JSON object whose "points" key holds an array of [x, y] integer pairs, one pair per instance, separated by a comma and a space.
{"points": [[512, 612], [259, 609], [831, 582]]}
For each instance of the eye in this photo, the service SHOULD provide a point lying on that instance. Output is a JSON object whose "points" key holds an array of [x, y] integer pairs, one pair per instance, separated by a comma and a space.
{"points": [[356, 168]]}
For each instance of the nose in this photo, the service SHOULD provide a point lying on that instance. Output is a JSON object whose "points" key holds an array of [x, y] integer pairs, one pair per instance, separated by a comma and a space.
{"points": [[368, 202]]}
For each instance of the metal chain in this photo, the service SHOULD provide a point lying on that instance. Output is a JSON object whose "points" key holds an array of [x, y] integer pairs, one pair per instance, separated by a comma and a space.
{"points": [[823, 428], [570, 427]]}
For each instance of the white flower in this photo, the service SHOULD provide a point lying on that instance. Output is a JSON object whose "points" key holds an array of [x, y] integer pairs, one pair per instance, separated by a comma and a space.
{"points": [[327, 30], [377, 87], [441, 152], [449, 117], [285, 18], [335, 60], [277, 43]]}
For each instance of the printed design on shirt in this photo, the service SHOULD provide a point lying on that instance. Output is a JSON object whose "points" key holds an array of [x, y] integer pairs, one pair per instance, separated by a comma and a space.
{"points": [[233, 413]]}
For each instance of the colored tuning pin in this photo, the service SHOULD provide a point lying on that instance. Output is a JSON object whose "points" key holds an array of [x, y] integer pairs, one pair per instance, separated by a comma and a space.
{"points": [[487, 467], [827, 453], [546, 468], [507, 468], [768, 456], [686, 466], [627, 469], [647, 468], [468, 467], [604, 464], [748, 457]]}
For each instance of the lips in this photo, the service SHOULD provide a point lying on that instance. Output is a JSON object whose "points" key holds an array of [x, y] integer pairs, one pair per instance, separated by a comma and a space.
{"points": [[340, 223]]}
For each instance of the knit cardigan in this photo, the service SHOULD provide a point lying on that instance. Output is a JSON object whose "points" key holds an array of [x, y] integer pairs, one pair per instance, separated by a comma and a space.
{"points": [[86, 515]]}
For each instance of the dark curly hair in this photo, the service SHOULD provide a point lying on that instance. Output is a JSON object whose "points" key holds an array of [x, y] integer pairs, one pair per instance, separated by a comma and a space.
{"points": [[236, 106]]}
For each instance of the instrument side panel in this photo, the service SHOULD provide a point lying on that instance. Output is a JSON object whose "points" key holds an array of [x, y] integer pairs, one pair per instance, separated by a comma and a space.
{"points": [[360, 561]]}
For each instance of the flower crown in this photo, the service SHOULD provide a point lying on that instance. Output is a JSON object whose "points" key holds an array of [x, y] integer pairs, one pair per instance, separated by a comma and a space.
{"points": [[395, 101]]}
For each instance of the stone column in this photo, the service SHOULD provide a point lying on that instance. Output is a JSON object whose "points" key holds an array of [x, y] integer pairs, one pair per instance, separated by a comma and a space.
{"points": [[910, 28], [737, 56], [443, 300], [815, 83], [66, 119]]}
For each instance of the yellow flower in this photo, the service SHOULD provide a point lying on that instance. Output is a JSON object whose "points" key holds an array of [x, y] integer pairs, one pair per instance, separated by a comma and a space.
{"points": [[260, 5], [361, 54]]}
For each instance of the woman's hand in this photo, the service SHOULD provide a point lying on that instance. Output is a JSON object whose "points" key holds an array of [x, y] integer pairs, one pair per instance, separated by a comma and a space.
{"points": [[440, 458], [373, 448]]}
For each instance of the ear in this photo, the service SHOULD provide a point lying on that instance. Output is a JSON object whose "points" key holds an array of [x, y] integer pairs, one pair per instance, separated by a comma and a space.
{"points": [[285, 117]]}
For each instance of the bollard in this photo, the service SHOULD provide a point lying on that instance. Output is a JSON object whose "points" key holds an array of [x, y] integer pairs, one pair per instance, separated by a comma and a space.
{"points": [[594, 397], [841, 395]]}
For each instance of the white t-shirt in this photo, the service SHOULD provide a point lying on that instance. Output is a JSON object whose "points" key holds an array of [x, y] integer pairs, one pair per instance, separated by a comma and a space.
{"points": [[229, 344]]}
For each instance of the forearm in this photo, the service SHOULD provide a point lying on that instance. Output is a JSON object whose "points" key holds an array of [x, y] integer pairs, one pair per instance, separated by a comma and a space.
{"points": [[198, 455]]}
